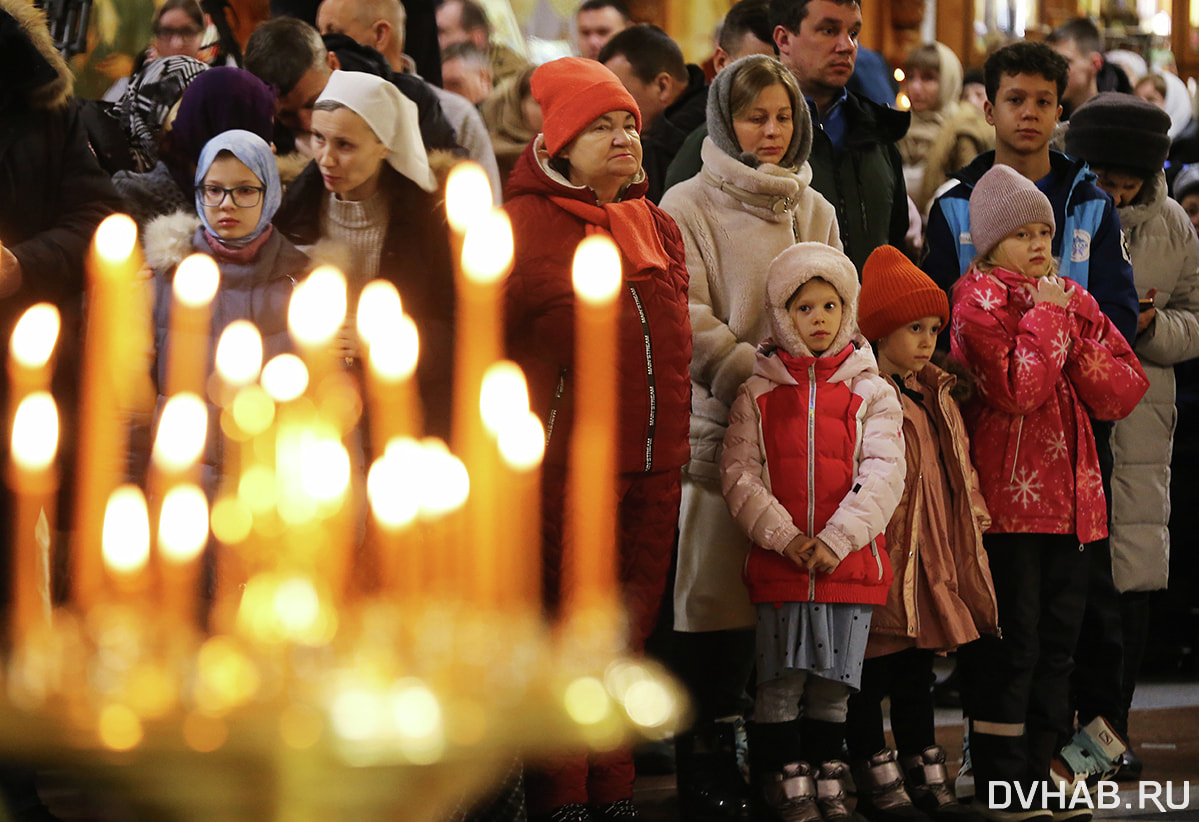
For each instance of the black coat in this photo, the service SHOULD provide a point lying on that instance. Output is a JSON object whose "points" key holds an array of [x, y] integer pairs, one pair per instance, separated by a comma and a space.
{"points": [[415, 258], [662, 140]]}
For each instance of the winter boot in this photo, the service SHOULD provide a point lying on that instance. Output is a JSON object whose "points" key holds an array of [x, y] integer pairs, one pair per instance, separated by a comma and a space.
{"points": [[711, 787], [789, 795], [834, 793], [928, 787], [1091, 756], [881, 797], [963, 784], [1131, 767]]}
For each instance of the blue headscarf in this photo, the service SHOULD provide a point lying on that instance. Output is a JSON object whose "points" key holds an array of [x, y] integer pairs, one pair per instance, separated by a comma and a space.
{"points": [[258, 157]]}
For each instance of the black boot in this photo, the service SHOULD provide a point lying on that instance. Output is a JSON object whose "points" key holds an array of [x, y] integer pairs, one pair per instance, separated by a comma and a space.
{"points": [[784, 788], [711, 788], [929, 787], [881, 796]]}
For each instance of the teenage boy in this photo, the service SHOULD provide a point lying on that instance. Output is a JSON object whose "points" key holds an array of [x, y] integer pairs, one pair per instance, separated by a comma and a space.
{"points": [[1017, 724], [1024, 83]]}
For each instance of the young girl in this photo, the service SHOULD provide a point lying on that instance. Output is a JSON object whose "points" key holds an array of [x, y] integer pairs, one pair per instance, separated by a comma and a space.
{"points": [[812, 470], [1046, 360], [942, 596], [237, 194]]}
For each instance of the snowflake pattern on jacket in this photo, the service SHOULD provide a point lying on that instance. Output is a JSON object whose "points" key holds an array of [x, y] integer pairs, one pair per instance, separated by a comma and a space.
{"points": [[1043, 371]]}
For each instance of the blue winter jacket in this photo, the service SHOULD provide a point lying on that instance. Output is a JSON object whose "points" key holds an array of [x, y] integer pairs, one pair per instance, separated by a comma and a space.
{"points": [[1097, 258]]}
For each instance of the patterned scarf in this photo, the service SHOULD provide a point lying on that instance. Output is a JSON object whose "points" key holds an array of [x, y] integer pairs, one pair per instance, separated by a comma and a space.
{"points": [[144, 107]]}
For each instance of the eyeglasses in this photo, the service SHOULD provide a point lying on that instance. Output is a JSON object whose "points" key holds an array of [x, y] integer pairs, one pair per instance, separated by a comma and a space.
{"points": [[243, 196], [167, 33]]}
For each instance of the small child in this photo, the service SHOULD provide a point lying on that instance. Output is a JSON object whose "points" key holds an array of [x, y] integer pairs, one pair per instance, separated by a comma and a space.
{"points": [[1046, 360], [812, 470], [942, 596]]}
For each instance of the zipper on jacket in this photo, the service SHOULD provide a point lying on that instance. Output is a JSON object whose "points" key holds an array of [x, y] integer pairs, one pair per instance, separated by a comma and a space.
{"points": [[651, 380], [555, 404], [1016, 455], [811, 471], [877, 559]]}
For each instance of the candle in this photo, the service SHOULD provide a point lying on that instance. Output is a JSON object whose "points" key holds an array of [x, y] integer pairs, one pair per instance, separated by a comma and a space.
{"points": [[178, 445], [445, 486], [522, 447], [486, 261], [108, 375], [393, 347], [125, 539], [393, 487], [504, 398], [195, 284], [33, 479], [315, 317], [590, 563]]}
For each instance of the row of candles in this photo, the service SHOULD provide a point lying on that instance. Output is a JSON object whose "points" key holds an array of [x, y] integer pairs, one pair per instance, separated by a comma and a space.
{"points": [[459, 526]]}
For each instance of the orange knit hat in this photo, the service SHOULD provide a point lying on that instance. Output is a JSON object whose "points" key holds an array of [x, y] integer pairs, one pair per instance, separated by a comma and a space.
{"points": [[894, 292], [573, 92]]}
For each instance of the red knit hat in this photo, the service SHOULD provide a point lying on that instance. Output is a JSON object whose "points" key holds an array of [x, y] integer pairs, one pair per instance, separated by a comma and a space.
{"points": [[894, 292], [573, 92]]}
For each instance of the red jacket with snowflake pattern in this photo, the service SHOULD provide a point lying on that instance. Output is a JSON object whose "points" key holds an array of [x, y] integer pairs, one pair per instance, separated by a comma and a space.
{"points": [[1042, 371]]}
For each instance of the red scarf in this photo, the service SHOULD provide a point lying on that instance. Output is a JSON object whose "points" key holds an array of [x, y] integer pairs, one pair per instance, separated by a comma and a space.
{"points": [[631, 225]]}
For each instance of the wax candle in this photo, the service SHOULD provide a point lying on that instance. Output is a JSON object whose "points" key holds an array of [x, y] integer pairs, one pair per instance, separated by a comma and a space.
{"points": [[393, 347], [504, 398], [394, 489], [590, 563], [522, 447], [108, 374], [195, 284], [125, 540], [35, 482], [315, 316]]}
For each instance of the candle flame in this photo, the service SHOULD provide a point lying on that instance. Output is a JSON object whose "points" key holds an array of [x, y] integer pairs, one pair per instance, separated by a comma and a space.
{"points": [[285, 377], [390, 335], [393, 484], [522, 442], [596, 270], [36, 333], [504, 395], [125, 543], [253, 410], [326, 471], [116, 238], [239, 353], [196, 280], [378, 306], [446, 483], [35, 432], [467, 195], [182, 430], [318, 306], [183, 524], [487, 248]]}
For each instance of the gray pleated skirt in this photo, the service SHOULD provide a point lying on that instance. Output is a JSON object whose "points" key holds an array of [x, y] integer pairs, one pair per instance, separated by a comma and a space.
{"points": [[826, 639]]}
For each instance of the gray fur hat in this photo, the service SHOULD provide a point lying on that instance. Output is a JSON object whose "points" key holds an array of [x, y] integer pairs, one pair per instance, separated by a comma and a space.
{"points": [[789, 272], [1187, 181], [720, 118]]}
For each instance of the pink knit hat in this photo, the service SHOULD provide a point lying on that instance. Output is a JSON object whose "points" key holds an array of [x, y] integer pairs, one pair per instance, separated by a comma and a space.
{"points": [[1003, 200]]}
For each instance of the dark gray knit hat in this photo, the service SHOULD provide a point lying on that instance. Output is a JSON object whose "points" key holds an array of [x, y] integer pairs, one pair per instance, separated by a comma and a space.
{"points": [[720, 119], [1115, 130], [1003, 200]]}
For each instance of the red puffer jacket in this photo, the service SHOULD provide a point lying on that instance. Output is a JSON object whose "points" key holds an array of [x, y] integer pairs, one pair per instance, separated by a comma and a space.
{"points": [[655, 329], [1042, 372]]}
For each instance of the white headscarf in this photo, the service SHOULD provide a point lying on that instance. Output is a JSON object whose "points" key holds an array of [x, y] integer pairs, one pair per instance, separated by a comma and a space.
{"points": [[390, 115], [1178, 103]]}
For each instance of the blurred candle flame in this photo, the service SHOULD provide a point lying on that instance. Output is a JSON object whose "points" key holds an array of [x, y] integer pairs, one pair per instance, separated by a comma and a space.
{"points": [[181, 432], [126, 540], [196, 280], [285, 377], [183, 524], [504, 395], [35, 432], [390, 335], [116, 238], [467, 195], [522, 442], [35, 335], [239, 353], [318, 306], [488, 246], [596, 270]]}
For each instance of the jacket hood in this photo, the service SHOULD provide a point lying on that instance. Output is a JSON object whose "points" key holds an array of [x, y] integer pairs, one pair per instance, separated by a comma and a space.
{"points": [[1148, 203], [720, 119], [34, 73], [533, 174], [789, 272], [951, 77]]}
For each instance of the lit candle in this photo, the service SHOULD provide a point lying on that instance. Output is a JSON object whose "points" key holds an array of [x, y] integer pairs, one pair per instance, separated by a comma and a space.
{"points": [[178, 446], [590, 564], [393, 347], [108, 375], [445, 486], [486, 261], [504, 398], [33, 479], [522, 447], [393, 487], [195, 284], [33, 418], [315, 316], [125, 539]]}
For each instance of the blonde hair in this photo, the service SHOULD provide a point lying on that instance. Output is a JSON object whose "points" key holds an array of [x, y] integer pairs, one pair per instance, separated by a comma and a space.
{"points": [[987, 262]]}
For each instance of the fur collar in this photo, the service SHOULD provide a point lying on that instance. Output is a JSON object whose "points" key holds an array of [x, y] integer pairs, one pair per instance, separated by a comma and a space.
{"points": [[32, 21], [769, 191], [168, 239]]}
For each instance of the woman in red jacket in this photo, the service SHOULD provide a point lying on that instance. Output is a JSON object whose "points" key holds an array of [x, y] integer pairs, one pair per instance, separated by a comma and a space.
{"points": [[580, 176]]}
